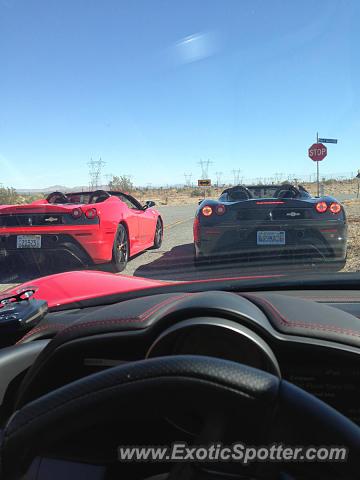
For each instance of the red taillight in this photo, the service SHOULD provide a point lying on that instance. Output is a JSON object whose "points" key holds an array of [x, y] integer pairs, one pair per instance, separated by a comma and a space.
{"points": [[220, 210], [196, 229], [207, 211], [321, 207], [335, 208], [91, 213], [76, 213]]}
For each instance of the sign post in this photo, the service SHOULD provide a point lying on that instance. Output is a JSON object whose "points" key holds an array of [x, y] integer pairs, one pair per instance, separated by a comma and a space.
{"points": [[317, 152], [204, 183], [317, 169], [358, 183]]}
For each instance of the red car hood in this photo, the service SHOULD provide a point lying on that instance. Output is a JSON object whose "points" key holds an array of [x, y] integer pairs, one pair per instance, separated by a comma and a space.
{"points": [[69, 287]]}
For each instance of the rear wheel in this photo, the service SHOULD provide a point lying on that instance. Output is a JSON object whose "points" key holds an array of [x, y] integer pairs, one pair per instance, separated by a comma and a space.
{"points": [[120, 255], [159, 232]]}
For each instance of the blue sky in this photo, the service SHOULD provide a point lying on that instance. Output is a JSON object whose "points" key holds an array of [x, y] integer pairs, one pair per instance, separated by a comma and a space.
{"points": [[154, 86]]}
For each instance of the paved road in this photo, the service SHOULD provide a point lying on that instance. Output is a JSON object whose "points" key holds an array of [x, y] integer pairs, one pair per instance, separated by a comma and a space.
{"points": [[177, 247], [173, 214]]}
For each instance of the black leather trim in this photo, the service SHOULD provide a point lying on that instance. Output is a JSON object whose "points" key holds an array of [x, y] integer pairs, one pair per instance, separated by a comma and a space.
{"points": [[306, 318], [131, 314]]}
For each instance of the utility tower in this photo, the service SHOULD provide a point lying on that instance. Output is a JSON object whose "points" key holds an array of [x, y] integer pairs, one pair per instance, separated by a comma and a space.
{"points": [[236, 175], [108, 179], [95, 170], [204, 164], [188, 179], [278, 177], [218, 178]]}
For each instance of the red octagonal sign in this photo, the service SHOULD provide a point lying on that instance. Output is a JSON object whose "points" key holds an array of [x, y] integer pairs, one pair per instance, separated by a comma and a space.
{"points": [[317, 152]]}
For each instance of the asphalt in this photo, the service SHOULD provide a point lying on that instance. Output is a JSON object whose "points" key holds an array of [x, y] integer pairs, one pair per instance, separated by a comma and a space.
{"points": [[176, 252]]}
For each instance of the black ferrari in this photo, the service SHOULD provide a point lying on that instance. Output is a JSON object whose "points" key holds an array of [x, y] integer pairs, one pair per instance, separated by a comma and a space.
{"points": [[271, 223]]}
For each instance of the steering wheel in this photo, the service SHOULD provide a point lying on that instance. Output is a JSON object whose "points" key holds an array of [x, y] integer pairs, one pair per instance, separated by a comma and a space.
{"points": [[98, 193], [57, 195], [231, 402]]}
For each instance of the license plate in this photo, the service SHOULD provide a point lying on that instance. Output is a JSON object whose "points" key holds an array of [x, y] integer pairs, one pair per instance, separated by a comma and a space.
{"points": [[269, 237], [28, 241]]}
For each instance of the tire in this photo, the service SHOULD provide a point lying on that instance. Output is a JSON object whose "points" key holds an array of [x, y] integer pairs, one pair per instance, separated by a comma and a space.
{"points": [[159, 233], [120, 255]]}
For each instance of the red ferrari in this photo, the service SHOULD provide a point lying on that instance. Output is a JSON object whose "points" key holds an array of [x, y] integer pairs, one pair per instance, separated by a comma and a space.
{"points": [[86, 228]]}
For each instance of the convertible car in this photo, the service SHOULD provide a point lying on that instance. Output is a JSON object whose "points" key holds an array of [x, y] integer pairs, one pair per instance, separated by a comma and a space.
{"points": [[92, 361], [85, 228], [271, 223]]}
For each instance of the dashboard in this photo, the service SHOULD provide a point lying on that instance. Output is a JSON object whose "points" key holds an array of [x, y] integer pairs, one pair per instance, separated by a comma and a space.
{"points": [[311, 342]]}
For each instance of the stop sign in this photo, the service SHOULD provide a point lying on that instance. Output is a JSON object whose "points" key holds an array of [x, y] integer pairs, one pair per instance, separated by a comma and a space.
{"points": [[317, 152]]}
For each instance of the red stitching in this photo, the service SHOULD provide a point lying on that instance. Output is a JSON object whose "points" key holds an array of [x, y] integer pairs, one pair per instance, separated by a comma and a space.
{"points": [[144, 316], [157, 307], [333, 299], [39, 329], [312, 326], [115, 321]]}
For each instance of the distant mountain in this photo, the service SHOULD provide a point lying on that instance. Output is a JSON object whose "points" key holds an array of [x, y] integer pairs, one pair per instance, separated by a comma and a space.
{"points": [[53, 188], [82, 188]]}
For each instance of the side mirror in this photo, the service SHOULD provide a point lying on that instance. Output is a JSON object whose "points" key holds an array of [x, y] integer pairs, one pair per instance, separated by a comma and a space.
{"points": [[149, 204]]}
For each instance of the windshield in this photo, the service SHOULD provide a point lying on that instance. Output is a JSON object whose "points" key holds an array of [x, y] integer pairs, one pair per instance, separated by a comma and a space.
{"points": [[179, 140]]}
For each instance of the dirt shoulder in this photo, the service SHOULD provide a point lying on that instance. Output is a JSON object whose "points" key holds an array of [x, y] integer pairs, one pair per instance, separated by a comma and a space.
{"points": [[352, 208]]}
